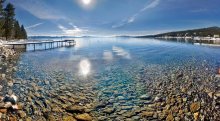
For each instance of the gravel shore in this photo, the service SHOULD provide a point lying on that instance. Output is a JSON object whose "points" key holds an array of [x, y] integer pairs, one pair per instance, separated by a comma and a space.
{"points": [[8, 60]]}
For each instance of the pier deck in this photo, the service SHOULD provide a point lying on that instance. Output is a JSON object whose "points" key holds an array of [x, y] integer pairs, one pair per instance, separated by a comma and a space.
{"points": [[48, 44]]}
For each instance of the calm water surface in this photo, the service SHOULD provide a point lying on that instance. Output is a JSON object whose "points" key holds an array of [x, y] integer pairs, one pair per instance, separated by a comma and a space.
{"points": [[110, 65], [99, 54]]}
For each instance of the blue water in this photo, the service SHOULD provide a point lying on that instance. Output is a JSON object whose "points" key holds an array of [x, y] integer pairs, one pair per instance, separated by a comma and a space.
{"points": [[104, 52], [112, 64]]}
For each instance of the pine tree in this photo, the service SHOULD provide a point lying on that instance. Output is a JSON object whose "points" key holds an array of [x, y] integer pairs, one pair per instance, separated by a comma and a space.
{"points": [[1, 17], [23, 33], [17, 30], [9, 27], [9, 21], [1, 6]]}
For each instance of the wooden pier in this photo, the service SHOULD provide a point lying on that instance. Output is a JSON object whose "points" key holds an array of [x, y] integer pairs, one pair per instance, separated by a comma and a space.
{"points": [[48, 44]]}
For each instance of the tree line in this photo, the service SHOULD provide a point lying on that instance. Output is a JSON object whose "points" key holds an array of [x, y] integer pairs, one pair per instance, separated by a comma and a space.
{"points": [[203, 32], [10, 28]]}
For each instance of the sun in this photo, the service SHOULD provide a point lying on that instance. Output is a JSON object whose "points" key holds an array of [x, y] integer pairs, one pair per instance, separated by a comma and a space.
{"points": [[86, 2]]}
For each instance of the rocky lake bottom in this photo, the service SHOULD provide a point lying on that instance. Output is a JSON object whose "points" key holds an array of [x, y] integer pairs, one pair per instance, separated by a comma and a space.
{"points": [[153, 84]]}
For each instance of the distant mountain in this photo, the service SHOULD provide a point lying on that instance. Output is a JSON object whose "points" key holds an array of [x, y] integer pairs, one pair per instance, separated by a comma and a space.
{"points": [[66, 37], [55, 37], [123, 36], [203, 32]]}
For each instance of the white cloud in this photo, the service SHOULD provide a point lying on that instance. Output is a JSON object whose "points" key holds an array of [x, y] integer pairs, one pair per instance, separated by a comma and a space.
{"points": [[34, 25], [61, 27], [120, 24], [151, 5], [131, 19], [39, 9], [74, 30]]}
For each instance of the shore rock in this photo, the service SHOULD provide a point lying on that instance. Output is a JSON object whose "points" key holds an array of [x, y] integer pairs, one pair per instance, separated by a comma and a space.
{"points": [[194, 107], [170, 118], [3, 110], [3, 76], [1, 87], [51, 118], [22, 114], [69, 118], [196, 116]]}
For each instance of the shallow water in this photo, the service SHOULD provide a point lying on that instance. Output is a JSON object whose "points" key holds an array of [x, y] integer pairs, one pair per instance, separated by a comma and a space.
{"points": [[103, 53], [110, 67]]}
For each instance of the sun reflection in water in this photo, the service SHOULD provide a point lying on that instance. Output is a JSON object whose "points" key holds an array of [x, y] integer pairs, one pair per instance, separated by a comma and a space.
{"points": [[85, 67]]}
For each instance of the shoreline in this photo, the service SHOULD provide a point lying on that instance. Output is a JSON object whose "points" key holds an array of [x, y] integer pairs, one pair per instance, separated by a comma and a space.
{"points": [[202, 40], [191, 38]]}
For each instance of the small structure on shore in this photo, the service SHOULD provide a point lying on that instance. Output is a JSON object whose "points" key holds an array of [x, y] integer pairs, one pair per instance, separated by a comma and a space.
{"points": [[216, 36]]}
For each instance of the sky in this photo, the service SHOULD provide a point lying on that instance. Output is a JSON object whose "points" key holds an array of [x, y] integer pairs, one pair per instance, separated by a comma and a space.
{"points": [[114, 17]]}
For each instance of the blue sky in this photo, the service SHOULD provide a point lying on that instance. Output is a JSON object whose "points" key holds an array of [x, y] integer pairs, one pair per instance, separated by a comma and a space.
{"points": [[114, 17]]}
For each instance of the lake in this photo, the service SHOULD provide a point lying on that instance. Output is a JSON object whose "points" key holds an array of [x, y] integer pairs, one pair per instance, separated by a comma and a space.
{"points": [[120, 79]]}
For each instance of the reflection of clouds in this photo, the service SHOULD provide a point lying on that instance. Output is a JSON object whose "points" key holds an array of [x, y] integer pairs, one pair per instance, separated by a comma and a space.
{"points": [[139, 41], [79, 44], [75, 57], [121, 52], [107, 55], [62, 49]]}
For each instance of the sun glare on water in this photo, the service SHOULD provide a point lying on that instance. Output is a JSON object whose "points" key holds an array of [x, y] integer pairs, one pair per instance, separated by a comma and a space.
{"points": [[85, 67]]}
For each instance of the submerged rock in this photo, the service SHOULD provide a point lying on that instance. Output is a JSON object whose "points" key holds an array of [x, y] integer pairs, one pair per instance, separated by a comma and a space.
{"points": [[145, 97], [84, 117], [157, 99], [147, 114], [126, 107], [109, 110], [68, 118], [75, 109], [102, 118], [180, 75], [121, 98], [51, 118]]}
